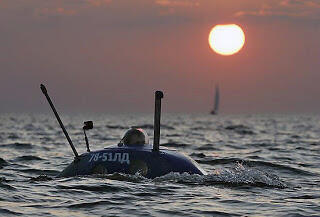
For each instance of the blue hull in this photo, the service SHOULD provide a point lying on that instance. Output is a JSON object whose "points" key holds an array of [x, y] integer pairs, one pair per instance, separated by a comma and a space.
{"points": [[131, 160]]}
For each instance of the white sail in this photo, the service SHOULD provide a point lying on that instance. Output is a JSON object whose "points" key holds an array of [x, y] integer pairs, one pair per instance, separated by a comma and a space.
{"points": [[216, 101]]}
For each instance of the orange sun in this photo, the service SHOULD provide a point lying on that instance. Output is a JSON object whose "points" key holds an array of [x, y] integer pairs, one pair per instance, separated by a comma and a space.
{"points": [[226, 39]]}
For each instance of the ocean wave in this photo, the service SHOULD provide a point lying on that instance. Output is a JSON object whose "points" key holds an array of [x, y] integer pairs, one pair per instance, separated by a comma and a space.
{"points": [[240, 129], [122, 177], [41, 178], [117, 127], [172, 135], [200, 129], [175, 145], [13, 136], [199, 155], [254, 163], [9, 212], [31, 127], [99, 187], [18, 145], [3, 179], [96, 203], [150, 126], [262, 144], [39, 172], [28, 158], [3, 163], [219, 161], [237, 176], [305, 197], [4, 185], [208, 147]]}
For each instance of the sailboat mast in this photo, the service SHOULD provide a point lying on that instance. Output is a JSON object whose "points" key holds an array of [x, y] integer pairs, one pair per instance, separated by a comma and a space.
{"points": [[216, 100]]}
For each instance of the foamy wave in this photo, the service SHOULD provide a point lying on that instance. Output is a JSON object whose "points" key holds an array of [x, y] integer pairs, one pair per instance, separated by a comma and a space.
{"points": [[237, 176]]}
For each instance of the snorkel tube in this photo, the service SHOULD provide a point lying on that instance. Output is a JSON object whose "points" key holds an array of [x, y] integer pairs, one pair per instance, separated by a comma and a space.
{"points": [[157, 117]]}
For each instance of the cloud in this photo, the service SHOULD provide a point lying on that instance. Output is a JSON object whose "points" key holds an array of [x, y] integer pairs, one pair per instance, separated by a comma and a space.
{"points": [[68, 8], [102, 12], [54, 12], [178, 3], [299, 3], [170, 7], [304, 9], [98, 3]]}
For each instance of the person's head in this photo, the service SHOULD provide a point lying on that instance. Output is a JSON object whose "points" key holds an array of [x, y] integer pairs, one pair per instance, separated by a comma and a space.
{"points": [[135, 137]]}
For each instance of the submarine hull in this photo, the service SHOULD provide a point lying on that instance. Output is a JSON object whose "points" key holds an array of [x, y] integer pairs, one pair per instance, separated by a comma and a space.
{"points": [[132, 160]]}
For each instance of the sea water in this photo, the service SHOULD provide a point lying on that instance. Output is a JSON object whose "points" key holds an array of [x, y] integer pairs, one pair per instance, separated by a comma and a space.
{"points": [[257, 165]]}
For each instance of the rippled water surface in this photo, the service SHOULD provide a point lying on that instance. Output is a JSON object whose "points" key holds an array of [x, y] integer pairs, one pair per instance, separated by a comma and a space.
{"points": [[258, 165]]}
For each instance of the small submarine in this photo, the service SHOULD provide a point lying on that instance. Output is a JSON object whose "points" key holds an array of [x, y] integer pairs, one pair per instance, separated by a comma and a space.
{"points": [[133, 154]]}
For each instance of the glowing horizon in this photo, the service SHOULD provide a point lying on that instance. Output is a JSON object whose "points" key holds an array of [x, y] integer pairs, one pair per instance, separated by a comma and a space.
{"points": [[105, 55]]}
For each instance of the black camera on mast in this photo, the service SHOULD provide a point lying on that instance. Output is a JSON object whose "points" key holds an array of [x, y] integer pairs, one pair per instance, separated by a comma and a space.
{"points": [[87, 125]]}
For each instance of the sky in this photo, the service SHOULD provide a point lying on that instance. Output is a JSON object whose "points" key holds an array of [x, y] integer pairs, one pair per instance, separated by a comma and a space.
{"points": [[111, 55]]}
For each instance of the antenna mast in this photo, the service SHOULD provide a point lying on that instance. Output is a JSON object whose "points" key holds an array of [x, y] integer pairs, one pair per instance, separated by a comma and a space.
{"points": [[44, 91]]}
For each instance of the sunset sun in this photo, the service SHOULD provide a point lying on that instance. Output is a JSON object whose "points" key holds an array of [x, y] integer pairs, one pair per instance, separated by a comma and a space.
{"points": [[226, 39]]}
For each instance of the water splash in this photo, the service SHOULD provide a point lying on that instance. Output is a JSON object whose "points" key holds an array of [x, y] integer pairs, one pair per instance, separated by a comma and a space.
{"points": [[237, 176]]}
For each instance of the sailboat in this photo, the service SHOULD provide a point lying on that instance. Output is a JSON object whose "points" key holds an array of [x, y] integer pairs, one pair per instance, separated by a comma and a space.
{"points": [[215, 109]]}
